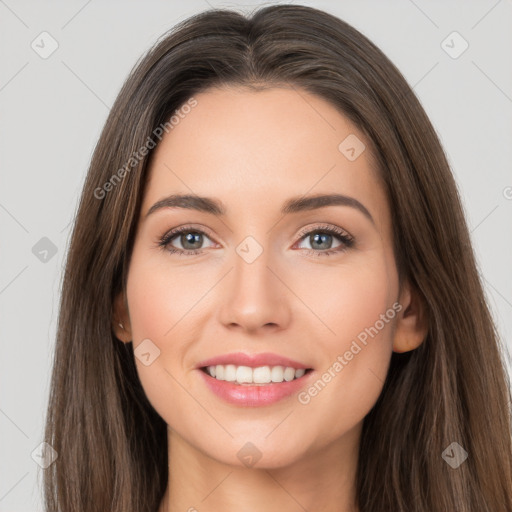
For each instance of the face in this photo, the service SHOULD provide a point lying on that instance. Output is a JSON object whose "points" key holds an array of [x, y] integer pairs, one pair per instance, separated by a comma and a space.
{"points": [[313, 288]]}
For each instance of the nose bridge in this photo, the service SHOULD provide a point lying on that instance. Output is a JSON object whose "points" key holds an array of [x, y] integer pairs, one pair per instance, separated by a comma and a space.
{"points": [[255, 297], [251, 277]]}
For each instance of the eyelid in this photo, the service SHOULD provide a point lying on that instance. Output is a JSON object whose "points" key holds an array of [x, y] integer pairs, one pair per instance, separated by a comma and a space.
{"points": [[309, 230], [189, 227]]}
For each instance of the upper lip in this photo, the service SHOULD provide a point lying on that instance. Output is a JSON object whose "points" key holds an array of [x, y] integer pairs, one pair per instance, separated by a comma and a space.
{"points": [[252, 360]]}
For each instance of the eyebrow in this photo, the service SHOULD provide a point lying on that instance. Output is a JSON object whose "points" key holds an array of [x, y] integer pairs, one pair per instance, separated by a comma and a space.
{"points": [[293, 205]]}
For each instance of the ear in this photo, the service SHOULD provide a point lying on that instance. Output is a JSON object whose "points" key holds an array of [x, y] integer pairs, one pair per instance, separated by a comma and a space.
{"points": [[412, 322], [121, 320]]}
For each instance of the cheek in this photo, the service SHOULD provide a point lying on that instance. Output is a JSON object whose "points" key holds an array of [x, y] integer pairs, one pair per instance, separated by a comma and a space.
{"points": [[356, 306], [161, 304], [365, 325], [159, 297], [347, 300]]}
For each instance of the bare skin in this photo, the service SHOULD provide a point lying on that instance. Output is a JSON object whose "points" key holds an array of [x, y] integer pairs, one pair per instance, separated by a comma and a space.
{"points": [[253, 151]]}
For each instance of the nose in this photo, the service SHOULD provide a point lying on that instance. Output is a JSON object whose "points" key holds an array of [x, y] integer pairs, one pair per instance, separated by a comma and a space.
{"points": [[255, 297]]}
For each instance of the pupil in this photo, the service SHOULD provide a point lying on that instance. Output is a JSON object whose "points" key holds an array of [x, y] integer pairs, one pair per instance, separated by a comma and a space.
{"points": [[321, 238], [191, 238]]}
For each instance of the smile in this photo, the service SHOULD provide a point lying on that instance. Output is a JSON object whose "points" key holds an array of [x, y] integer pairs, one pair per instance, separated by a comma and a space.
{"points": [[261, 375]]}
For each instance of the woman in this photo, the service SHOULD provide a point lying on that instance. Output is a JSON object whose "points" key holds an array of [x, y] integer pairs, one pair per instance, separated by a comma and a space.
{"points": [[207, 358]]}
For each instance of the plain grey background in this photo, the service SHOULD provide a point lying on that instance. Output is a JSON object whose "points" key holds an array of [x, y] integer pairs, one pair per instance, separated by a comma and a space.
{"points": [[53, 108]]}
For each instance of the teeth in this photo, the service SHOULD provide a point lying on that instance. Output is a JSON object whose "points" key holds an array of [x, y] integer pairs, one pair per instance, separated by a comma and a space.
{"points": [[259, 375], [289, 374], [229, 372], [276, 374], [243, 374]]}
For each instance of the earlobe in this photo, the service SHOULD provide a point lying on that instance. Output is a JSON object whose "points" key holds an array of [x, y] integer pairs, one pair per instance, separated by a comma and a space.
{"points": [[121, 319], [412, 322]]}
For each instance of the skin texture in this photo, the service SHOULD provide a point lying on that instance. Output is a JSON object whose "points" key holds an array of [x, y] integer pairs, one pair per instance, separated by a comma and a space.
{"points": [[253, 150]]}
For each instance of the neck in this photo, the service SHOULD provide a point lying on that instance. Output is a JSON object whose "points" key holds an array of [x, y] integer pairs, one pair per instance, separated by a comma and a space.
{"points": [[323, 480]]}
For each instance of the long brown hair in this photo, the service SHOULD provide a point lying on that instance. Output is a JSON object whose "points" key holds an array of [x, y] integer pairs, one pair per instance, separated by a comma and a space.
{"points": [[111, 443]]}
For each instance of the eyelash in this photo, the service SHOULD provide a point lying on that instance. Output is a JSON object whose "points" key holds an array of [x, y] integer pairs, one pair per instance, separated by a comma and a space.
{"points": [[346, 240]]}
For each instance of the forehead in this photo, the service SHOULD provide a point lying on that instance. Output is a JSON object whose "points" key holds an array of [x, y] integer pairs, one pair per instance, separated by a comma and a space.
{"points": [[263, 146]]}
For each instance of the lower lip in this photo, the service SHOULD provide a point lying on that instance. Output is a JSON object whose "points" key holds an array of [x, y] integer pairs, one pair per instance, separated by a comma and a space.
{"points": [[246, 395]]}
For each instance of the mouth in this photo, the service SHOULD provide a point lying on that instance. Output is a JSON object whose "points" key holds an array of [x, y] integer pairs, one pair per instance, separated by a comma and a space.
{"points": [[254, 376], [253, 380]]}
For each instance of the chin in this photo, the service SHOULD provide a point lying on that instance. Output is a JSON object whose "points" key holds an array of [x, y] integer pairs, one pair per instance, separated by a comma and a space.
{"points": [[253, 452]]}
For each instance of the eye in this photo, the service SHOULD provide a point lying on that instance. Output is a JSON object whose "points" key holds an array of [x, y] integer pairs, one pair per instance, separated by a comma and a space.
{"points": [[322, 238], [187, 239]]}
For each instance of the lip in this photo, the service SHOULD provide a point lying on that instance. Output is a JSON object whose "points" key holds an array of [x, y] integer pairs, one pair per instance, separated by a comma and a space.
{"points": [[246, 395], [252, 360]]}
